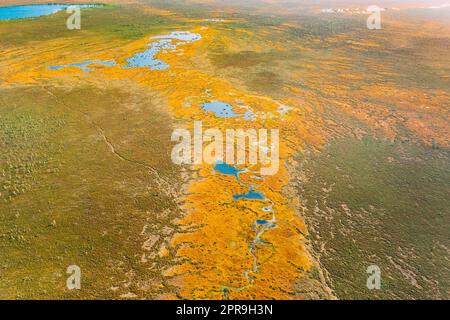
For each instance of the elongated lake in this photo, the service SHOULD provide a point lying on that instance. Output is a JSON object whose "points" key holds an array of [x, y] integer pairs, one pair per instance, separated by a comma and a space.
{"points": [[35, 10]]}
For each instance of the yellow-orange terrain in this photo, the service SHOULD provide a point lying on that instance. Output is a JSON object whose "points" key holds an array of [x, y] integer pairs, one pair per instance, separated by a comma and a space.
{"points": [[217, 249], [221, 264]]}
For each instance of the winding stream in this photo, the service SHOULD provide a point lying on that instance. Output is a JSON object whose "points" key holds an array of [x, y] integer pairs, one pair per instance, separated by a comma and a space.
{"points": [[260, 226]]}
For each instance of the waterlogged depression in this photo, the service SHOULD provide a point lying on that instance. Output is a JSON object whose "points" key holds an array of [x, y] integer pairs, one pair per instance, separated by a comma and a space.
{"points": [[85, 65], [146, 58], [170, 42], [85, 125], [227, 169], [36, 10], [260, 226], [266, 220], [225, 110]]}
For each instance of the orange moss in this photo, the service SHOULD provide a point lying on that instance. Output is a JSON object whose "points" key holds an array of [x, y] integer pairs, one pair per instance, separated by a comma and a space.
{"points": [[218, 230]]}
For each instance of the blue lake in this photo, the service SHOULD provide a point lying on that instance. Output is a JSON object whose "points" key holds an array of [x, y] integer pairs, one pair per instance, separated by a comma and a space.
{"points": [[267, 224], [147, 57], [184, 36], [35, 10], [249, 115], [84, 65], [220, 109], [251, 195], [225, 110], [226, 169], [170, 41]]}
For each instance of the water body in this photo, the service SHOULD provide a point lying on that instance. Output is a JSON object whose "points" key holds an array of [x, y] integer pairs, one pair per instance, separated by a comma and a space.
{"points": [[249, 115], [260, 226], [184, 36], [147, 57], [220, 109], [266, 225], [226, 169], [170, 41], [225, 110], [250, 195], [282, 109], [35, 10], [84, 65]]}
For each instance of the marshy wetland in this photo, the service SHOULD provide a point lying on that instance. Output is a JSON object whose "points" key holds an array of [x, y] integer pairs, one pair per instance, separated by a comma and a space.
{"points": [[86, 176]]}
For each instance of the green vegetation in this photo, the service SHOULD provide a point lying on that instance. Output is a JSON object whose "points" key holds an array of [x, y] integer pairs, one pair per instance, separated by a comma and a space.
{"points": [[84, 171], [67, 199], [123, 22], [373, 202]]}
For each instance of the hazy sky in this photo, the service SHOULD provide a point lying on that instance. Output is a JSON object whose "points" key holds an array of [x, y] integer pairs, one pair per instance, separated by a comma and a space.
{"points": [[329, 3]]}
